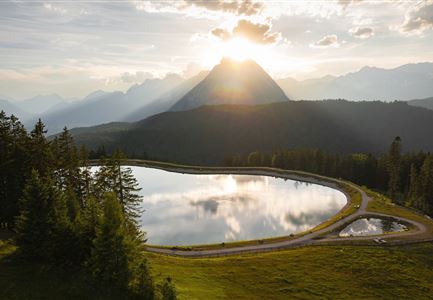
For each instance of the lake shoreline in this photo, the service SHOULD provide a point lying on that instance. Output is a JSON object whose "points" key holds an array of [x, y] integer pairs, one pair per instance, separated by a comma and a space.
{"points": [[298, 176]]}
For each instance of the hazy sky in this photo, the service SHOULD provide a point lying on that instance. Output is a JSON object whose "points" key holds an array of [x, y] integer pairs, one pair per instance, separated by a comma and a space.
{"points": [[74, 47]]}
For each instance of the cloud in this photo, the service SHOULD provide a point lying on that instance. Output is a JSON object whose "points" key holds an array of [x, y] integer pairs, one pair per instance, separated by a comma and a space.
{"points": [[245, 7], [192, 69], [203, 8], [362, 32], [419, 19], [221, 33], [346, 3], [54, 8], [253, 32], [326, 42], [138, 77]]}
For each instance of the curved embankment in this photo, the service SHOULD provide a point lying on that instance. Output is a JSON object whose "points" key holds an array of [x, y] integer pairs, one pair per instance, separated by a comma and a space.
{"points": [[316, 237]]}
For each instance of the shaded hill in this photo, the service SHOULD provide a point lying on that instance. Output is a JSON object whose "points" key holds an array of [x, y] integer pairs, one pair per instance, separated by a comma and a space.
{"points": [[426, 103], [207, 134], [402, 83], [233, 82]]}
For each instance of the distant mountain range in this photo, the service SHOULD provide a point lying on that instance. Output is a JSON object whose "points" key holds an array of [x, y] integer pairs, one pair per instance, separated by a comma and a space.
{"points": [[410, 81], [102, 107], [333, 125], [426, 103], [165, 101], [233, 82], [11, 108], [41, 103], [227, 83], [32, 107]]}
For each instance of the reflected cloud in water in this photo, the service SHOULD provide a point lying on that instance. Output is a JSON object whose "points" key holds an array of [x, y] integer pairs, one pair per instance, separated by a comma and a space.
{"points": [[372, 226], [184, 209]]}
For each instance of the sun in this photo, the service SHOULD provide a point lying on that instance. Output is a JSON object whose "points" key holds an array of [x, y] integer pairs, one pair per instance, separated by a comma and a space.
{"points": [[239, 49]]}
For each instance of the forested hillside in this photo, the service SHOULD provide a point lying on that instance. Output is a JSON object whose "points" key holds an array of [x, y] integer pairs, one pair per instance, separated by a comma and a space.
{"points": [[426, 103], [208, 134]]}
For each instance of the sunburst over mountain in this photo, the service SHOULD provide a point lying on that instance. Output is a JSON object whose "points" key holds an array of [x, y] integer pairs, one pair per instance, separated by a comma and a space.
{"points": [[216, 129], [233, 82]]}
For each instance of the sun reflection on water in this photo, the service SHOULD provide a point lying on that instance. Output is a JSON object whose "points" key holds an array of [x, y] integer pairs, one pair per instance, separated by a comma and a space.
{"points": [[183, 209]]}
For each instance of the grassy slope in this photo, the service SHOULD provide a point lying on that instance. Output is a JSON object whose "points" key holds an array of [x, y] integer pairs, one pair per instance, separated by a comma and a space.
{"points": [[338, 272], [383, 204], [307, 273]]}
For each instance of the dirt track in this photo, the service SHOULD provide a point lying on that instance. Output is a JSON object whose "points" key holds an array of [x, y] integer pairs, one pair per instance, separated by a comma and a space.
{"points": [[312, 238]]}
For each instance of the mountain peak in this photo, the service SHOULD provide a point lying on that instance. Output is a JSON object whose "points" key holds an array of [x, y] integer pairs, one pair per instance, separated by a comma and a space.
{"points": [[246, 65], [233, 82], [230, 61]]}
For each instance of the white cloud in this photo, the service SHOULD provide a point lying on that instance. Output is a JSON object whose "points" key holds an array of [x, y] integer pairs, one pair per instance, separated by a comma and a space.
{"points": [[203, 8], [254, 32], [346, 3], [58, 46], [239, 8], [137, 77], [326, 42], [362, 32], [419, 19], [55, 8]]}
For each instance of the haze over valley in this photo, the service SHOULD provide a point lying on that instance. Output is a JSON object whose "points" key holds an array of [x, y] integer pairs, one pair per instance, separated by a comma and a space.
{"points": [[174, 92]]}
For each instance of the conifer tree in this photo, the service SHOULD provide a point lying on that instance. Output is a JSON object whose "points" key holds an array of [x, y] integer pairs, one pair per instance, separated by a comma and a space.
{"points": [[413, 194], [394, 168], [66, 160], [64, 235], [33, 226], [85, 181], [40, 154], [113, 177], [168, 290], [14, 169], [113, 247], [143, 285], [87, 223], [426, 185]]}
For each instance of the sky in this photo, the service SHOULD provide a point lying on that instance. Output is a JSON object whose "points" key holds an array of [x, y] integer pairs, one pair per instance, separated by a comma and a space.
{"points": [[74, 47]]}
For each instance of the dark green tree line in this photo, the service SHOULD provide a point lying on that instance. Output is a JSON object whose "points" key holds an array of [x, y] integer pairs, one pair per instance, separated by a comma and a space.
{"points": [[66, 214], [406, 178]]}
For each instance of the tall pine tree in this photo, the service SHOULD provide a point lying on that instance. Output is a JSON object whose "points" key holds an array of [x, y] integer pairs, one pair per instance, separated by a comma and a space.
{"points": [[394, 168], [33, 225], [113, 177], [113, 247]]}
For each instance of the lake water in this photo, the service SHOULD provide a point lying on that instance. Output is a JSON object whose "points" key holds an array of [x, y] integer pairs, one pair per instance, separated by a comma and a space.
{"points": [[183, 209], [372, 226]]}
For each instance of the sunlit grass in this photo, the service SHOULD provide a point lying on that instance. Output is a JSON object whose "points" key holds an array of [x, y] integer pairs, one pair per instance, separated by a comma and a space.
{"points": [[333, 272], [316, 272]]}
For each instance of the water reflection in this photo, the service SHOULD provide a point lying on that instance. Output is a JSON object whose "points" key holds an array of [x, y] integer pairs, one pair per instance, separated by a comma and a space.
{"points": [[184, 209], [372, 226]]}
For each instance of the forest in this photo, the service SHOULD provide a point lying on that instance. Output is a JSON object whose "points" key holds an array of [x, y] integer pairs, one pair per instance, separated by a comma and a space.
{"points": [[407, 178], [65, 214], [204, 136]]}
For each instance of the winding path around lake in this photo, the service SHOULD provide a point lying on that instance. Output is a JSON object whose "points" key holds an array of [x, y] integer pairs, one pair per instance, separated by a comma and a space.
{"points": [[313, 237]]}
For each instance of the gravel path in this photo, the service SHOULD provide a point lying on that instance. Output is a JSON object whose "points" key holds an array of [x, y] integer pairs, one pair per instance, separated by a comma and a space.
{"points": [[308, 239]]}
